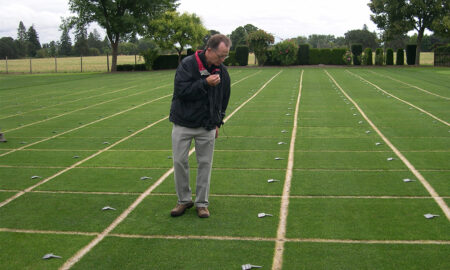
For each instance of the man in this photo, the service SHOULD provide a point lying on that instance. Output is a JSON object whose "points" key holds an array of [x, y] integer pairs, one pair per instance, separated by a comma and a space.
{"points": [[200, 98]]}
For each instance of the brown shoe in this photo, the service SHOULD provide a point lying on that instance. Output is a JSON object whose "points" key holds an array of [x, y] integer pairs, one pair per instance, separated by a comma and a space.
{"points": [[202, 212], [180, 208]]}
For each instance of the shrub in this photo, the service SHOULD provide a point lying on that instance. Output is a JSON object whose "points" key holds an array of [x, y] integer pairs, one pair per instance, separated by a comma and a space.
{"points": [[389, 57], [400, 61], [367, 58], [150, 56], [285, 52], [357, 50], [126, 67], [379, 57], [231, 60], [314, 56], [271, 59], [442, 56], [347, 58], [337, 56], [242, 55], [411, 54], [303, 54], [166, 61]]}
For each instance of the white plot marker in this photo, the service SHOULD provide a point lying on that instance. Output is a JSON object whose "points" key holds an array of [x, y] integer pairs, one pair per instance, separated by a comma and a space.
{"points": [[108, 208], [377, 143], [430, 216], [284, 131], [249, 266], [280, 143], [50, 256], [106, 143], [145, 177], [367, 131], [272, 180], [261, 215], [354, 114], [390, 159], [360, 122], [279, 158], [407, 180], [75, 156], [288, 114], [36, 177]]}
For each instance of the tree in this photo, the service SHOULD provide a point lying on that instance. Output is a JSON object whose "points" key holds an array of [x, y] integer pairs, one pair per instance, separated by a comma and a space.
{"points": [[364, 37], [33, 44], [65, 40], [81, 44], [118, 18], [239, 35], [258, 42], [207, 36], [8, 48], [94, 40], [175, 31], [21, 40], [402, 16], [321, 41]]}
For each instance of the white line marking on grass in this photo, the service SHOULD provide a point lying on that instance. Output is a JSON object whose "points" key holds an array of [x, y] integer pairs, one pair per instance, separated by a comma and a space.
{"points": [[348, 241], [74, 259], [408, 164], [281, 232], [410, 85], [77, 164], [47, 232], [84, 108], [85, 125], [404, 101]]}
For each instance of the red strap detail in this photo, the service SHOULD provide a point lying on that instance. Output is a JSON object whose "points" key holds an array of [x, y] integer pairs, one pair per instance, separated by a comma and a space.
{"points": [[199, 62]]}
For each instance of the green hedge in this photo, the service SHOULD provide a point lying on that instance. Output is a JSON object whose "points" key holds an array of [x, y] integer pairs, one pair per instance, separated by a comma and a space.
{"points": [[242, 55], [379, 57], [357, 50], [337, 56], [271, 59], [166, 61], [400, 61], [367, 58], [303, 54], [442, 56], [411, 54], [129, 67], [231, 60], [389, 57]]}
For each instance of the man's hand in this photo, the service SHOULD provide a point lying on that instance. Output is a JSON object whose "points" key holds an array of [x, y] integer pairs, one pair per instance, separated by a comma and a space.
{"points": [[217, 132], [213, 80]]}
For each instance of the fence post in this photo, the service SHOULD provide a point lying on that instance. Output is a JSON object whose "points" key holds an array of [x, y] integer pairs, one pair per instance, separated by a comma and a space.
{"points": [[107, 61], [56, 66], [81, 59], [135, 62], [6, 64], [31, 71]]}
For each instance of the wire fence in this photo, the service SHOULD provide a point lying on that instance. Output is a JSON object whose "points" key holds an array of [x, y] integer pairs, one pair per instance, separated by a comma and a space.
{"points": [[66, 64]]}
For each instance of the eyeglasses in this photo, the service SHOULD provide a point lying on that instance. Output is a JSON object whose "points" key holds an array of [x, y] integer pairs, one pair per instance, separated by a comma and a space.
{"points": [[221, 56]]}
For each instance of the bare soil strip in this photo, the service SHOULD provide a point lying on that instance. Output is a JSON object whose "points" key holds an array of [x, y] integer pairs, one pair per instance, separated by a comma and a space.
{"points": [[410, 85], [404, 101], [281, 232], [408, 164], [74, 259]]}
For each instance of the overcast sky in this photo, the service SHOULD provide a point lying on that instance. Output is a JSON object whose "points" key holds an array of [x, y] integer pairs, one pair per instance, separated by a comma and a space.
{"points": [[282, 18]]}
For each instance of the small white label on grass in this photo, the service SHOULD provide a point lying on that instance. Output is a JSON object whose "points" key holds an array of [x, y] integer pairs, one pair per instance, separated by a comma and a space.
{"points": [[50, 256], [261, 215], [76, 156], [430, 216], [26, 142], [105, 142], [145, 177], [288, 114], [35, 177], [360, 122], [354, 114], [108, 208], [407, 180], [280, 143], [169, 157], [390, 159], [284, 131], [278, 158], [272, 180], [377, 143], [367, 131], [249, 266]]}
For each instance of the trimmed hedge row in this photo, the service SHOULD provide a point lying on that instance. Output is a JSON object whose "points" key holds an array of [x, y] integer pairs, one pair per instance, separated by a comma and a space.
{"points": [[411, 54]]}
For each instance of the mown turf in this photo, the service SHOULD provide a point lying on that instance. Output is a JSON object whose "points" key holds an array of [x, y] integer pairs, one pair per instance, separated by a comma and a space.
{"points": [[21, 178]]}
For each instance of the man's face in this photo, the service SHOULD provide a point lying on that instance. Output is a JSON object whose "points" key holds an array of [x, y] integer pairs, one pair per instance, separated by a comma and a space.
{"points": [[216, 57]]}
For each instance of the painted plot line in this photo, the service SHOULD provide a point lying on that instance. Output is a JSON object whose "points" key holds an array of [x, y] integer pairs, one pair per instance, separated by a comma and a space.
{"points": [[71, 101], [410, 85], [281, 232], [84, 108], [74, 259], [408, 164], [404, 101], [85, 125]]}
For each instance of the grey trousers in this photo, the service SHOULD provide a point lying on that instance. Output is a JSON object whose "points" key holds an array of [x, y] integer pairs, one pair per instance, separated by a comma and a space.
{"points": [[204, 149]]}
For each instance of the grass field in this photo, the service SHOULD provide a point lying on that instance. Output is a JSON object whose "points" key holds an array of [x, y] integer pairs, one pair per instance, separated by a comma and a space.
{"points": [[347, 139]]}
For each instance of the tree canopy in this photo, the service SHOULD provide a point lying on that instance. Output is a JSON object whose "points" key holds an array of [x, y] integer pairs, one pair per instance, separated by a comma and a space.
{"points": [[239, 35], [259, 41], [175, 31], [401, 16], [118, 18]]}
